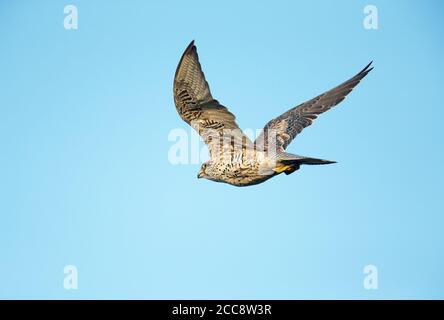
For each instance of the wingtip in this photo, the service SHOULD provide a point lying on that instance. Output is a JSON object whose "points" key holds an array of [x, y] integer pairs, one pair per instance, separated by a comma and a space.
{"points": [[367, 68], [190, 46], [187, 51]]}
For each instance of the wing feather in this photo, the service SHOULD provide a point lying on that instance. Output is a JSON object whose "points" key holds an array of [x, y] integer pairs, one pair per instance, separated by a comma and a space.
{"points": [[287, 126], [198, 108]]}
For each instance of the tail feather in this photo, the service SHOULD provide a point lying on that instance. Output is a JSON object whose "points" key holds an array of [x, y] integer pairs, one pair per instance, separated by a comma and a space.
{"points": [[289, 163], [314, 161], [288, 158]]}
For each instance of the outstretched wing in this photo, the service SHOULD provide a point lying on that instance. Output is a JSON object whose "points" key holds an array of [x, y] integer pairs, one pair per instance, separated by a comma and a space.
{"points": [[196, 106], [283, 129]]}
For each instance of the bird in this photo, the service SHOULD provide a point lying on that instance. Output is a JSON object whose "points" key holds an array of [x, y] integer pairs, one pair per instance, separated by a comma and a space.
{"points": [[234, 158]]}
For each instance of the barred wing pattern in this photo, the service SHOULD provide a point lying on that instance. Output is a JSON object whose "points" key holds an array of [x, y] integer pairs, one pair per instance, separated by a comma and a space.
{"points": [[288, 125], [196, 106]]}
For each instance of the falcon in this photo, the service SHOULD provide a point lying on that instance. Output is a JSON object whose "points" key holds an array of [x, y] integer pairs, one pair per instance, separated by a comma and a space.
{"points": [[234, 158]]}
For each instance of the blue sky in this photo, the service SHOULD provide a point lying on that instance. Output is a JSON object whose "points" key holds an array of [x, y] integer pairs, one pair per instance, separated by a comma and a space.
{"points": [[86, 181]]}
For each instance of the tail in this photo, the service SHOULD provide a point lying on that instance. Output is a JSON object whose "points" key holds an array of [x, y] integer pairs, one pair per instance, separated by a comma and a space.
{"points": [[289, 163]]}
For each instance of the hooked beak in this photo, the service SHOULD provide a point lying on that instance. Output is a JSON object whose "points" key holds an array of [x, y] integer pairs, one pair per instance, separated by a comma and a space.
{"points": [[200, 174]]}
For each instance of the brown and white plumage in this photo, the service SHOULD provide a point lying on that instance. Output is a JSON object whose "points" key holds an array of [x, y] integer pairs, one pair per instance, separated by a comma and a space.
{"points": [[234, 159], [291, 123], [194, 101]]}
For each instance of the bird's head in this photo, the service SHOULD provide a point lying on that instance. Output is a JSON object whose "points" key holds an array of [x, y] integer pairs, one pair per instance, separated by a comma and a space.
{"points": [[202, 173]]}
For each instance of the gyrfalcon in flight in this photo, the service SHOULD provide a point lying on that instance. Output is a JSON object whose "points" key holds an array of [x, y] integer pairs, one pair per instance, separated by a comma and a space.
{"points": [[234, 158]]}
